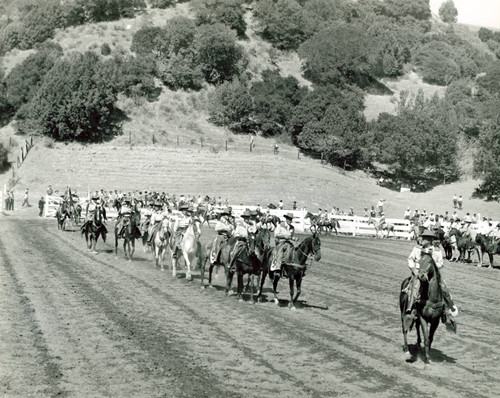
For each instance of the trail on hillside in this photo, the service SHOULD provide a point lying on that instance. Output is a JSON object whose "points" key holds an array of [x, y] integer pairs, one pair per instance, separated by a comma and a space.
{"points": [[75, 323]]}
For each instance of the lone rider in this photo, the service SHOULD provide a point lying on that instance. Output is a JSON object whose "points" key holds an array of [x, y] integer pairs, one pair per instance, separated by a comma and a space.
{"points": [[420, 257], [224, 229]]}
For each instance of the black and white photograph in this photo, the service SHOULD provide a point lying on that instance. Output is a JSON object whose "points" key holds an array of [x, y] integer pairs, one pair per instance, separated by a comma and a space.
{"points": [[250, 198]]}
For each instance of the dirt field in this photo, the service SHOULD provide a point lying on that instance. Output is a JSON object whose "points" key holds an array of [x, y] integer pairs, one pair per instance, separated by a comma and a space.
{"points": [[77, 324]]}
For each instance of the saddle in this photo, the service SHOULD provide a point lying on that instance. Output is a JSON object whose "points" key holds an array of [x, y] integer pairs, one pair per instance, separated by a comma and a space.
{"points": [[219, 242]]}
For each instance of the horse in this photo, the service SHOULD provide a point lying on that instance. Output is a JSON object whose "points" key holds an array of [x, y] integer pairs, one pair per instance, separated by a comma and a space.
{"points": [[129, 235], [160, 241], [222, 260], [294, 267], [382, 227], [464, 244], [190, 247], [249, 261], [430, 309], [94, 228], [62, 214], [318, 223], [488, 245]]}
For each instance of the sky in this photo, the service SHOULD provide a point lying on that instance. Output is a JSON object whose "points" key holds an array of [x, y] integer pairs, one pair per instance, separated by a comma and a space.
{"points": [[475, 12]]}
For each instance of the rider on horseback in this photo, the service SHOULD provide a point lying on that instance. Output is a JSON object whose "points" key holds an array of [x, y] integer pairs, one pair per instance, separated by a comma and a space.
{"points": [[156, 218], [419, 258], [224, 229], [243, 228], [124, 212], [182, 222], [284, 235]]}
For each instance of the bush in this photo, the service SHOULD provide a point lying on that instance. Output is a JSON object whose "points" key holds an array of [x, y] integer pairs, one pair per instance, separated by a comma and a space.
{"points": [[436, 61], [4, 158], [231, 105], [76, 99], [218, 54], [137, 76], [228, 12], [339, 54], [282, 22], [105, 49], [162, 3], [108, 10], [275, 98], [147, 40], [24, 79]]}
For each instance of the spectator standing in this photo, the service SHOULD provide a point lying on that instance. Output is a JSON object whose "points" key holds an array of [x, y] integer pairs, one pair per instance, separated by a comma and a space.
{"points": [[380, 206], [50, 191], [372, 212], [41, 205], [26, 198], [407, 214], [455, 201], [11, 200], [366, 213], [460, 202], [294, 207], [280, 205]]}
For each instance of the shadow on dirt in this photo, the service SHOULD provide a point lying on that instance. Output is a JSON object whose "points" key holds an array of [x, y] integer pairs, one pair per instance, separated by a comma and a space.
{"points": [[436, 356]]}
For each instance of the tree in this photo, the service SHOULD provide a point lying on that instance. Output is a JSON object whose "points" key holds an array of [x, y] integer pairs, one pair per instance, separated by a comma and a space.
{"points": [[448, 12], [4, 159], [487, 163], [231, 105], [218, 54], [162, 3], [484, 34], [228, 12], [281, 22], [77, 99], [437, 63], [275, 98], [339, 54], [25, 78]]}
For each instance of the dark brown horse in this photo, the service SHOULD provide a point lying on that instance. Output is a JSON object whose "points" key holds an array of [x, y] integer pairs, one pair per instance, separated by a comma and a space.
{"points": [[130, 234], [293, 268], [249, 261], [464, 244], [488, 245], [94, 228], [319, 224], [430, 309]]}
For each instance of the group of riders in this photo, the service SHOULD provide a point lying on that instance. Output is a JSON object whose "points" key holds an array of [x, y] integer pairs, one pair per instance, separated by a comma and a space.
{"points": [[148, 218]]}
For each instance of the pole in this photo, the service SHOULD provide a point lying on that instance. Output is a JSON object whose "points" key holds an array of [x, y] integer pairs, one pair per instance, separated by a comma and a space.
{"points": [[298, 154], [226, 145], [177, 140]]}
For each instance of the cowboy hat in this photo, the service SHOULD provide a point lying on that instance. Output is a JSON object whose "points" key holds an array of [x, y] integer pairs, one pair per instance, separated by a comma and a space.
{"points": [[253, 213], [428, 234], [246, 213], [227, 211], [183, 206], [288, 215]]}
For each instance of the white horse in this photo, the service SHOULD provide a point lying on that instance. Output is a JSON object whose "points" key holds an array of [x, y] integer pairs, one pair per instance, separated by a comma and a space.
{"points": [[190, 248], [160, 242]]}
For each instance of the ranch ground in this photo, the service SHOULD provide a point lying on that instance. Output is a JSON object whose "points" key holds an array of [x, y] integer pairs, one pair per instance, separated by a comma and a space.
{"points": [[77, 324]]}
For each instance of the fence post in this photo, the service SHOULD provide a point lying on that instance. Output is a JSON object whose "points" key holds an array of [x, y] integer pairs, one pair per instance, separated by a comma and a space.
{"points": [[177, 140], [154, 141], [355, 219], [226, 145], [130, 137], [22, 154], [298, 153], [201, 142], [31, 140]]}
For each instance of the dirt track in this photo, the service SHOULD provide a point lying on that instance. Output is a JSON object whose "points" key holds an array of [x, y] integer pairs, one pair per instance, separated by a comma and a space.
{"points": [[78, 324]]}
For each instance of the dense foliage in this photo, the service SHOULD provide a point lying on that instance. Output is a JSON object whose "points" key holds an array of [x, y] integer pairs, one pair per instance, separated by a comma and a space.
{"points": [[448, 12], [227, 12], [4, 158]]}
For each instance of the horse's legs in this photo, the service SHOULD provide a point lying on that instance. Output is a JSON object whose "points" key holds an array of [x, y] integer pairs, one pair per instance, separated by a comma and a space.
{"points": [[291, 282], [189, 277], [133, 247], [252, 278], [298, 282], [275, 287], [229, 280], [240, 284], [261, 285], [432, 330], [425, 331], [116, 245], [405, 341]]}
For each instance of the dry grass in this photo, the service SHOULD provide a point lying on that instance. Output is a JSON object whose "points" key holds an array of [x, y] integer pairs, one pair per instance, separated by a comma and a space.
{"points": [[376, 104]]}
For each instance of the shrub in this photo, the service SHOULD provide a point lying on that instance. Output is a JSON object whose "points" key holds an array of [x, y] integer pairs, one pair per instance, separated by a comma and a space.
{"points": [[76, 99], [218, 54], [105, 49], [162, 3], [4, 158], [231, 105], [24, 79], [228, 12], [274, 100], [146, 40]]}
